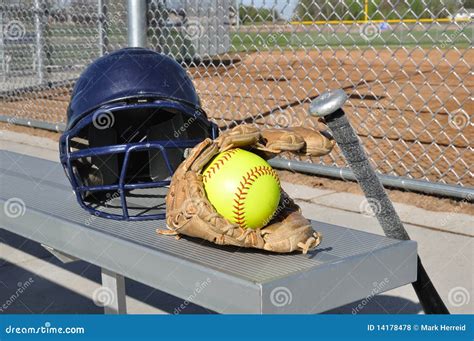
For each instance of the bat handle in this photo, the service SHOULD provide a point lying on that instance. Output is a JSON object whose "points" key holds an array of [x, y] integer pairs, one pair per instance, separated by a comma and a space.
{"points": [[329, 107]]}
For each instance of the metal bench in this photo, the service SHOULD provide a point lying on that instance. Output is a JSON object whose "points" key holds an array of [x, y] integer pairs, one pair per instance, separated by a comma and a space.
{"points": [[346, 267]]}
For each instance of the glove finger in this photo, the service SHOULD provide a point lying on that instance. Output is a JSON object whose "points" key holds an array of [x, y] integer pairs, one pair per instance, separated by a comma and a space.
{"points": [[204, 156], [239, 137], [289, 231], [292, 233], [316, 143], [194, 154], [282, 140]]}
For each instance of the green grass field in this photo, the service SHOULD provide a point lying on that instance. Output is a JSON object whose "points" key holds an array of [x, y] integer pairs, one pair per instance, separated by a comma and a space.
{"points": [[441, 37], [80, 46]]}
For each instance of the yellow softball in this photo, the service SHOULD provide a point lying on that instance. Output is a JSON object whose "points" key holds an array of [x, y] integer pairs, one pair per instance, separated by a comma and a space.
{"points": [[242, 187]]}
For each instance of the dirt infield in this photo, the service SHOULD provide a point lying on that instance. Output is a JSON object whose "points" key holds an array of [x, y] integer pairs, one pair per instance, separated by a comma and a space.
{"points": [[401, 102], [409, 106]]}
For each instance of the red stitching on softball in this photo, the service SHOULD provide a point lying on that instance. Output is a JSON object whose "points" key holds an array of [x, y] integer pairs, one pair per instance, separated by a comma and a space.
{"points": [[226, 156], [242, 191]]}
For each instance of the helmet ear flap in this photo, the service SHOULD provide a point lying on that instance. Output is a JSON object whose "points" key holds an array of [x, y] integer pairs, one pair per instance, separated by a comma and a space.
{"points": [[107, 164], [173, 129], [88, 175]]}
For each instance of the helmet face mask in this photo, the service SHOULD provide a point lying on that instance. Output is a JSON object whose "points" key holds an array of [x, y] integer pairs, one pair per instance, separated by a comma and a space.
{"points": [[120, 157]]}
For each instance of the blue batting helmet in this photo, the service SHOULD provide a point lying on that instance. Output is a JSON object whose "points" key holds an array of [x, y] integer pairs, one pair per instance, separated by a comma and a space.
{"points": [[131, 116]]}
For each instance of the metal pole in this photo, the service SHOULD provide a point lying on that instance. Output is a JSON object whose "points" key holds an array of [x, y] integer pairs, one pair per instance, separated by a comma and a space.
{"points": [[15, 120], [453, 191], [39, 40], [136, 23], [115, 284], [2, 46], [102, 26], [237, 4]]}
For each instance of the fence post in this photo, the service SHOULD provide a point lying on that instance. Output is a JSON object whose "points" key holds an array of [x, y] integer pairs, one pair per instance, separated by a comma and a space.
{"points": [[39, 40], [136, 23], [2, 47], [102, 27]]}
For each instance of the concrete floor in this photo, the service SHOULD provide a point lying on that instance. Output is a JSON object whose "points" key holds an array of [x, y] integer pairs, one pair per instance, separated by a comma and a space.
{"points": [[445, 242]]}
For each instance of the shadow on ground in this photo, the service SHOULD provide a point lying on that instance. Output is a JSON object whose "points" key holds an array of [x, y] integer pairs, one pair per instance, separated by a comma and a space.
{"points": [[46, 296], [380, 304]]}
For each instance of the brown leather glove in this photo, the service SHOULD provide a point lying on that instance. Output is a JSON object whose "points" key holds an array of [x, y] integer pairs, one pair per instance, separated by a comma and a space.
{"points": [[189, 212]]}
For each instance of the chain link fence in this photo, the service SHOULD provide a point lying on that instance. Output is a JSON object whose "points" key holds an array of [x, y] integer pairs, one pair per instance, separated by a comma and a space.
{"points": [[406, 65]]}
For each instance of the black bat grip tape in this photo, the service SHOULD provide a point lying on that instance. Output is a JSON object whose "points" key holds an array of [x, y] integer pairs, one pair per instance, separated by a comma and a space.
{"points": [[365, 175], [388, 218]]}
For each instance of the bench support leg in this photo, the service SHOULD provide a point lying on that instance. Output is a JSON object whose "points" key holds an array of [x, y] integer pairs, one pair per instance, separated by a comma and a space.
{"points": [[62, 256], [116, 284]]}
